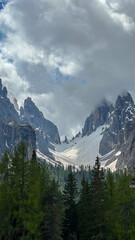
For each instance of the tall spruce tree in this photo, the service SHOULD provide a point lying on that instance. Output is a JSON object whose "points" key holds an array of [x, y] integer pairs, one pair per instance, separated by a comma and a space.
{"points": [[34, 215], [5, 203], [52, 206], [97, 204], [70, 194], [124, 208], [110, 200], [84, 211]]}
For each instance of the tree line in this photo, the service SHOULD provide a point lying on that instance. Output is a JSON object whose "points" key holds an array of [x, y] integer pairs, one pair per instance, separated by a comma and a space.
{"points": [[34, 207]]}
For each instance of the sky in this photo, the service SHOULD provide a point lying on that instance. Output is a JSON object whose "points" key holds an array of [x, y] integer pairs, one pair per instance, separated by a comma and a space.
{"points": [[67, 55]]}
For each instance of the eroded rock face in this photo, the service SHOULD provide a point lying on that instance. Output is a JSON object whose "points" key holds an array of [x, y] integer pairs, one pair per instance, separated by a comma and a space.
{"points": [[46, 131], [97, 118], [7, 110], [11, 134], [119, 131], [120, 122], [127, 156]]}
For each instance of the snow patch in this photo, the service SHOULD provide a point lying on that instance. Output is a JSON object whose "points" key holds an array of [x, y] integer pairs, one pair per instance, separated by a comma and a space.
{"points": [[58, 160], [112, 166], [83, 150], [118, 153]]}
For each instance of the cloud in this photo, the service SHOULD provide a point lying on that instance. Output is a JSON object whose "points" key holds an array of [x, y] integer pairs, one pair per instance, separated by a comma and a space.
{"points": [[67, 55]]}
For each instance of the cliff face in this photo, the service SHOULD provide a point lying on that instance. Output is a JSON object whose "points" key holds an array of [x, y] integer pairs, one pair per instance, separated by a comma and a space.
{"points": [[14, 125], [120, 124], [97, 118], [119, 130], [46, 131], [7, 110], [11, 132]]}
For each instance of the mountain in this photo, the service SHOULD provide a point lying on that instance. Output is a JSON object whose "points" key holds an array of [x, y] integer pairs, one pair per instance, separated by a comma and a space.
{"points": [[121, 122], [25, 124], [121, 132], [11, 131], [7, 110], [13, 100], [97, 118], [108, 132], [46, 132]]}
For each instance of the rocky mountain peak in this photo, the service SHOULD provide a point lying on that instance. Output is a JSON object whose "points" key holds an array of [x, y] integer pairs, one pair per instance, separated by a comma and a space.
{"points": [[97, 118], [124, 101], [7, 110], [46, 131], [121, 122], [31, 109], [11, 132], [13, 100], [3, 90]]}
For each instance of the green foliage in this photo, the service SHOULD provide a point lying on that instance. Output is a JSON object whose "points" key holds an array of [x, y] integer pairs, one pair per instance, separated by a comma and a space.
{"points": [[92, 204], [84, 211], [25, 191], [70, 198]]}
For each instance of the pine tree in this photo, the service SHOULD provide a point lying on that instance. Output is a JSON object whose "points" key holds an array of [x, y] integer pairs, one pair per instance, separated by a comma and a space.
{"points": [[124, 208], [34, 214], [84, 211], [53, 213], [97, 192], [5, 203], [70, 194], [110, 200], [13, 170]]}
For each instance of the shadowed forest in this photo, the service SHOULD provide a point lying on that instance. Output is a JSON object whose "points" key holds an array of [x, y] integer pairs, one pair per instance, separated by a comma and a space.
{"points": [[39, 201]]}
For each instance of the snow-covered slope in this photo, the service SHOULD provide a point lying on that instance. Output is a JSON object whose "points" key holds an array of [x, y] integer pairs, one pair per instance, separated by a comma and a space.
{"points": [[82, 150], [110, 131]]}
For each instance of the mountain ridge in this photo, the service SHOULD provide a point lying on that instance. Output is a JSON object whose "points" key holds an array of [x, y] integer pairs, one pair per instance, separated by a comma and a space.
{"points": [[109, 132]]}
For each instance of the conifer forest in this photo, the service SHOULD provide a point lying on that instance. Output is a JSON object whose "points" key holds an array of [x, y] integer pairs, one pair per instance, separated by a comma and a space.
{"points": [[45, 202]]}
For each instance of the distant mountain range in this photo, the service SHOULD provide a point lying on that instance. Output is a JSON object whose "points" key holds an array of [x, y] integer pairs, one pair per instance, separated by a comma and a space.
{"points": [[108, 132], [25, 124]]}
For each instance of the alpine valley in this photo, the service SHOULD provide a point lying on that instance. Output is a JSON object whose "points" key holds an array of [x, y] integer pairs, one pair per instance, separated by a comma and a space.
{"points": [[108, 132]]}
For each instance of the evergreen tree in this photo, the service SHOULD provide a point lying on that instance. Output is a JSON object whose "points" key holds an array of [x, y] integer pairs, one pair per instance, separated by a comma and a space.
{"points": [[70, 194], [97, 225], [18, 183], [5, 204], [84, 211], [124, 208], [110, 200], [53, 213], [34, 214]]}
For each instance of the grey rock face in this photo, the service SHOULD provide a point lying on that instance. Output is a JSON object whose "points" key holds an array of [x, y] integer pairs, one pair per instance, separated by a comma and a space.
{"points": [[121, 122], [11, 133], [119, 131], [127, 156], [96, 119], [46, 131], [7, 110]]}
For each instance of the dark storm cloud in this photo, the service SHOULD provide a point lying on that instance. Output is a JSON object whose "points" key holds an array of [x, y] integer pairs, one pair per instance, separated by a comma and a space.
{"points": [[68, 55]]}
